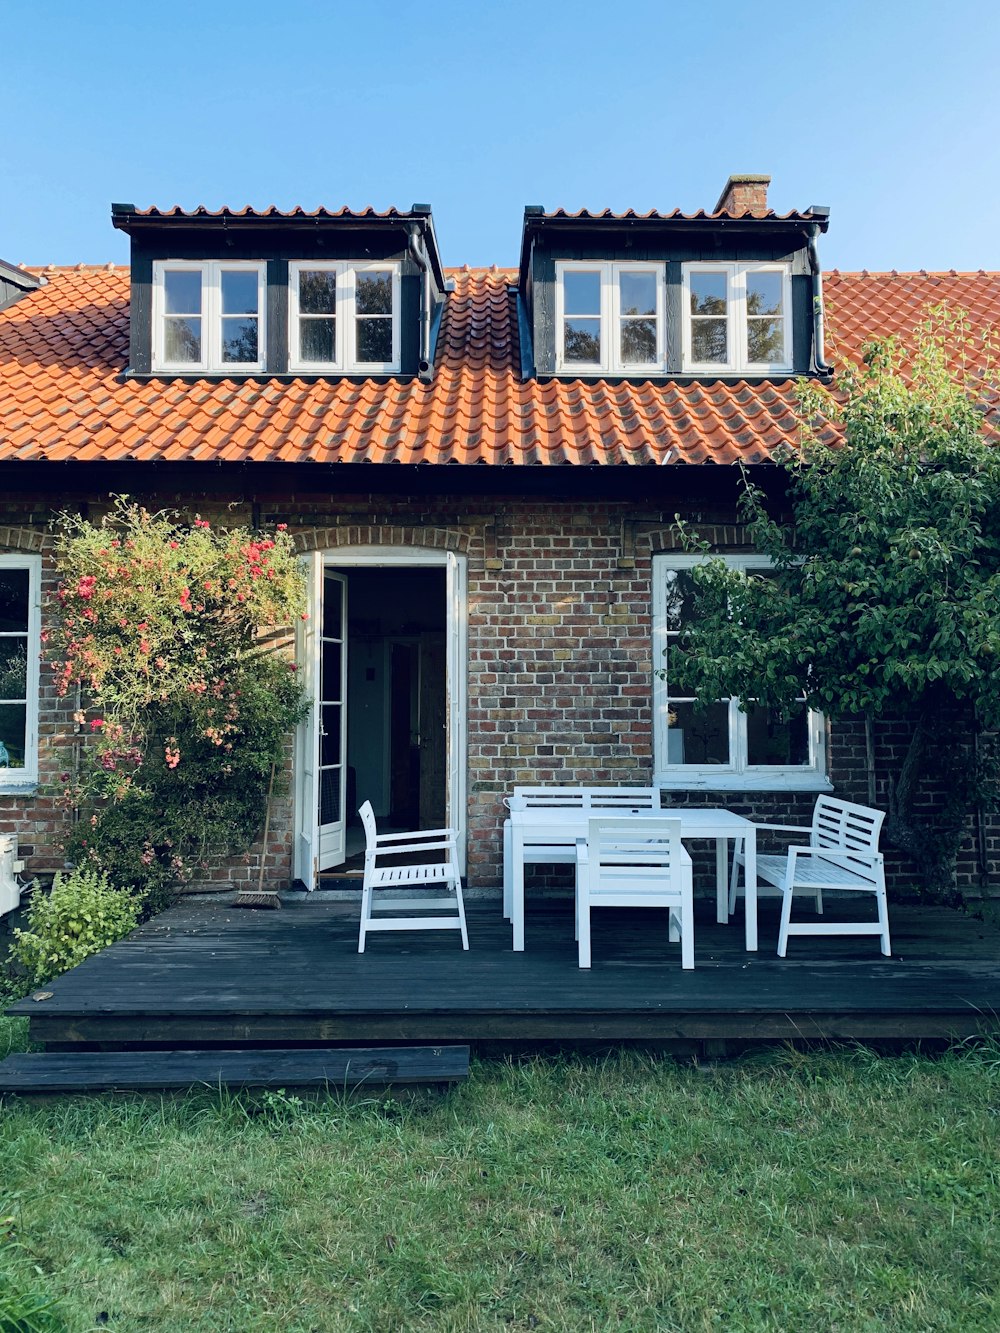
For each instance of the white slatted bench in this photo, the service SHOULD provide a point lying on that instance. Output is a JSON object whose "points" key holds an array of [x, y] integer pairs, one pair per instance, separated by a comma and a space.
{"points": [[609, 800], [841, 854]]}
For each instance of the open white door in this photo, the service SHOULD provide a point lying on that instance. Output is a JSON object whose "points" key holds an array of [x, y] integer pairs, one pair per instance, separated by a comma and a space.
{"points": [[332, 696], [307, 653]]}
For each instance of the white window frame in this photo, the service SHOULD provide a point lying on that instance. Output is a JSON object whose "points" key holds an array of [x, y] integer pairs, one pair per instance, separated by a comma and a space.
{"points": [[736, 319], [345, 337], [739, 774], [211, 315], [18, 779], [610, 316]]}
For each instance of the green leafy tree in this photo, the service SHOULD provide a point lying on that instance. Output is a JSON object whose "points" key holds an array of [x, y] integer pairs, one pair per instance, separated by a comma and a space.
{"points": [[884, 600], [175, 635]]}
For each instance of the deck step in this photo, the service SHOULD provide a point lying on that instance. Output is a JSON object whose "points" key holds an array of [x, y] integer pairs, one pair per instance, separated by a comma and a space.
{"points": [[340, 1069]]}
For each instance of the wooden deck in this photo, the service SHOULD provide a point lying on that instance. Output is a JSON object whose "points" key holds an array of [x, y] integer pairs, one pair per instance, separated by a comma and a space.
{"points": [[204, 974]]}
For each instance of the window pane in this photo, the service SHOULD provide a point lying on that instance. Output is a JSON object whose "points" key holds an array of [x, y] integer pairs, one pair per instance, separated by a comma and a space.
{"points": [[332, 590], [764, 294], [680, 598], [182, 340], [581, 293], [318, 340], [582, 340], [182, 292], [13, 599], [701, 735], [373, 294], [13, 729], [638, 341], [330, 739], [771, 741], [375, 340], [766, 340], [239, 292], [239, 340], [13, 668], [330, 686], [708, 293], [638, 293], [709, 341], [329, 795], [317, 292]]}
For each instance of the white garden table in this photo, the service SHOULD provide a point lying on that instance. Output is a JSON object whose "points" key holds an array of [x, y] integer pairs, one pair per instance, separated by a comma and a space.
{"points": [[566, 825]]}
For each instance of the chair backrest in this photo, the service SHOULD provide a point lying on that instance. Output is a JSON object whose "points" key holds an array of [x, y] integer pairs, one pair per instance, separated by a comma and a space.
{"points": [[368, 820], [591, 798], [846, 827], [642, 856]]}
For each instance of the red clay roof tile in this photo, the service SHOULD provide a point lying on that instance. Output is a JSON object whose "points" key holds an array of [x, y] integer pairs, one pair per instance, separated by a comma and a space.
{"points": [[62, 396]]}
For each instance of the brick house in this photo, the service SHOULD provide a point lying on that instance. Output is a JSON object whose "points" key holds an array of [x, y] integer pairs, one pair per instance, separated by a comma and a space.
{"points": [[482, 469]]}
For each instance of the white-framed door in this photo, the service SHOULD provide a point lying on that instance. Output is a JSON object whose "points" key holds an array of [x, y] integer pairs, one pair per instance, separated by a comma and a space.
{"points": [[320, 777], [331, 769]]}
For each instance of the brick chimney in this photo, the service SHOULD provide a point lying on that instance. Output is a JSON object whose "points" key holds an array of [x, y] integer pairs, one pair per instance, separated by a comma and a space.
{"points": [[744, 194]]}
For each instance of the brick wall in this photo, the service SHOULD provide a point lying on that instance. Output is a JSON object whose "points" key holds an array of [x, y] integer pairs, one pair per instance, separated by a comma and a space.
{"points": [[559, 663]]}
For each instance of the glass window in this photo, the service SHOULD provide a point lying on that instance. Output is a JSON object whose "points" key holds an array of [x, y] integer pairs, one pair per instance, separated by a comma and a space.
{"points": [[238, 290], [317, 323], [582, 318], [736, 317], [721, 745], [182, 316], [637, 313], [207, 316], [373, 317], [344, 316], [609, 316], [19, 650]]}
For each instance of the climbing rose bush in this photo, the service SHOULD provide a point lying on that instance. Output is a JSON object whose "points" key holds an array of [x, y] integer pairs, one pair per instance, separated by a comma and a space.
{"points": [[174, 634]]}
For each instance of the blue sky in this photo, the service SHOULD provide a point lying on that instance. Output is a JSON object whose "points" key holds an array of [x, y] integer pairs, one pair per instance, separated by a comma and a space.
{"points": [[884, 110]]}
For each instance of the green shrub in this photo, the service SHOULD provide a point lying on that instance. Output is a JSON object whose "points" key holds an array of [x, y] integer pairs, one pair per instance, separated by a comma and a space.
{"points": [[81, 915]]}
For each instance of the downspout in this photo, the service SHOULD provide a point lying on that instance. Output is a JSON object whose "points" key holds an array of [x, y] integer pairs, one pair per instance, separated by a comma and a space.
{"points": [[820, 364], [419, 256]]}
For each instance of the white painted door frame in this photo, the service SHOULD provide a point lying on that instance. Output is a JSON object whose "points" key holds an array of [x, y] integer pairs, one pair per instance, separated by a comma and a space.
{"points": [[307, 737]]}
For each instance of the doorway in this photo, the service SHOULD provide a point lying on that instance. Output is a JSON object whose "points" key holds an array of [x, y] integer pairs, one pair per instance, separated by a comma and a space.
{"points": [[383, 650], [396, 700]]}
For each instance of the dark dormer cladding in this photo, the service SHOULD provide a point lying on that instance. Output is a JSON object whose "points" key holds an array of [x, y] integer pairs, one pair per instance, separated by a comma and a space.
{"points": [[247, 293], [734, 294]]}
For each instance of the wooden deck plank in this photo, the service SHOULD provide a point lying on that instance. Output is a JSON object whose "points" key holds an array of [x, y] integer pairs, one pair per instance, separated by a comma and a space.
{"points": [[206, 973], [140, 1071]]}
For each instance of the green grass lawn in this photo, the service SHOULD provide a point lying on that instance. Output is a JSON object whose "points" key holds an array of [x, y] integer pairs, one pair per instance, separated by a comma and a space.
{"points": [[829, 1191]]}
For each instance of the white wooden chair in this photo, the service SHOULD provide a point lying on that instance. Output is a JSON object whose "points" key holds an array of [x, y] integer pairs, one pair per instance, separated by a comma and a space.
{"points": [[574, 798], [635, 863], [387, 888], [841, 854]]}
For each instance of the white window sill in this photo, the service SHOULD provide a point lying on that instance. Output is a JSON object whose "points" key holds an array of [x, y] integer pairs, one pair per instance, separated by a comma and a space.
{"points": [[18, 786], [743, 782]]}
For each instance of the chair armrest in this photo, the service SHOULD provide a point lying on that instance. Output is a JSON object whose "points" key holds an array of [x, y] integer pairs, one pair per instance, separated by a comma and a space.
{"points": [[422, 833], [582, 852], [844, 858], [398, 848], [786, 828]]}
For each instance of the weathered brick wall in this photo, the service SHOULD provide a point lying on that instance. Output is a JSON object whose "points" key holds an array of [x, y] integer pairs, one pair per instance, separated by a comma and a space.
{"points": [[559, 662]]}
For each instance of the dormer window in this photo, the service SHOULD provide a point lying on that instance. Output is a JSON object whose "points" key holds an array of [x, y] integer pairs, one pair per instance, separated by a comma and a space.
{"points": [[344, 317], [609, 318], [736, 318], [208, 316]]}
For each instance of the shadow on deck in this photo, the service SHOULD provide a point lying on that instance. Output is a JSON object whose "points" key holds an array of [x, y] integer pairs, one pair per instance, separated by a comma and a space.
{"points": [[204, 974]]}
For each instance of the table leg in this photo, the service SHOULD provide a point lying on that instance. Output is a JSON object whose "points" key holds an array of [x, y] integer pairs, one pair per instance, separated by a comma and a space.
{"points": [[517, 885], [721, 881], [750, 870]]}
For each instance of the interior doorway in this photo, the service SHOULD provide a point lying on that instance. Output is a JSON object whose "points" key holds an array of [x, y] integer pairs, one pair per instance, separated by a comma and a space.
{"points": [[384, 739]]}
